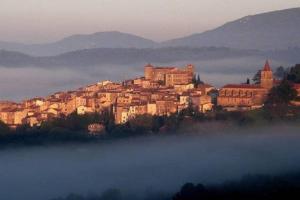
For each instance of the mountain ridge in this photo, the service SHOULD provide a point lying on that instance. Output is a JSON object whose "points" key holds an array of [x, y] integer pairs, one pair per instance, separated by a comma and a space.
{"points": [[107, 39], [266, 31], [122, 56]]}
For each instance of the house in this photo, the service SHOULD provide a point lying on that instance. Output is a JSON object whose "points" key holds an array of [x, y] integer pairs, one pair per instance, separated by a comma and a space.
{"points": [[151, 108], [166, 107], [96, 128], [81, 110]]}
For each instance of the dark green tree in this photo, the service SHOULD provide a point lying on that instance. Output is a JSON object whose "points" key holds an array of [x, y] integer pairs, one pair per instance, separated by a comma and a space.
{"points": [[4, 129], [280, 73], [256, 77], [294, 74], [141, 123], [199, 82], [157, 123], [196, 80], [248, 81], [277, 103]]}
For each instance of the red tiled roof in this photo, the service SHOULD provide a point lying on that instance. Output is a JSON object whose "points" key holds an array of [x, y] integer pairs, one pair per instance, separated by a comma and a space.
{"points": [[267, 66], [8, 110], [242, 86], [296, 85], [149, 65], [165, 67]]}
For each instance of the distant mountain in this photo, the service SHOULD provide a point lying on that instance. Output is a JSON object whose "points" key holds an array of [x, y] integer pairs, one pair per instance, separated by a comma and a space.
{"points": [[267, 31], [112, 39], [132, 56], [273, 30], [119, 56], [9, 58]]}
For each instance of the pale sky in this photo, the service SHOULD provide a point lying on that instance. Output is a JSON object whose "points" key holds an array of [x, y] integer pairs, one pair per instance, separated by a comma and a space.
{"points": [[34, 21]]}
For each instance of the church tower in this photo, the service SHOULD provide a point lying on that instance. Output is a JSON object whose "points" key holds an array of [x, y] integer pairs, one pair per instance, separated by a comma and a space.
{"points": [[266, 78]]}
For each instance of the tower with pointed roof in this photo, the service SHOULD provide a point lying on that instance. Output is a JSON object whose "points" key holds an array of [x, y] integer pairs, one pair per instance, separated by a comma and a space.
{"points": [[266, 78]]}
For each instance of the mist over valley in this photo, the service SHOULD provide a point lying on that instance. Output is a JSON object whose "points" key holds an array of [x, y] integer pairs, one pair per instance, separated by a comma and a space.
{"points": [[156, 163]]}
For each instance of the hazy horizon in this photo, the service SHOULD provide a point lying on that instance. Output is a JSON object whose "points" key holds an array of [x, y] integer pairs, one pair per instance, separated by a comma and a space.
{"points": [[47, 21]]}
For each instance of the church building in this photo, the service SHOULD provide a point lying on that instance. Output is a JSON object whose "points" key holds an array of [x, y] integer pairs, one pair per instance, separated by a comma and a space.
{"points": [[247, 96]]}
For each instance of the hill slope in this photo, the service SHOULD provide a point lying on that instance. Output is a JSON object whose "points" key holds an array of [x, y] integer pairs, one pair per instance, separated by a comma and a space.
{"points": [[111, 39], [123, 56], [273, 30]]}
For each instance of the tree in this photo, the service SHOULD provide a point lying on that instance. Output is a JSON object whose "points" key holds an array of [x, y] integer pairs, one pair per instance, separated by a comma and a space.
{"points": [[189, 191], [111, 194], [294, 74], [278, 100], [256, 77], [4, 129], [248, 81], [196, 80], [280, 73], [157, 123], [199, 80], [141, 123]]}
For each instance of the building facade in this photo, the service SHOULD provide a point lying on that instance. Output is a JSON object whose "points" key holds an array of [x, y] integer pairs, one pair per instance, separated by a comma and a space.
{"points": [[169, 76], [247, 96]]}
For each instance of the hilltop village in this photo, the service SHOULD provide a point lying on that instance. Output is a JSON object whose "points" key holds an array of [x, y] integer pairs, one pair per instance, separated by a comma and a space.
{"points": [[161, 91]]}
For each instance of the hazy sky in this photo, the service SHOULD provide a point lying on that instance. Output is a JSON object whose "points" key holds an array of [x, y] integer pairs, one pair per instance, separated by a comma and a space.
{"points": [[47, 20]]}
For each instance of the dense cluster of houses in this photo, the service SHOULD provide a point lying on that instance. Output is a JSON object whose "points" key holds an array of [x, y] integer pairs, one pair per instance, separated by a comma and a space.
{"points": [[162, 91]]}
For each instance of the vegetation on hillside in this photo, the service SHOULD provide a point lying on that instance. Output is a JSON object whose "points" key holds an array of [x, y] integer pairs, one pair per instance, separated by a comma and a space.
{"points": [[278, 101], [294, 74], [259, 187]]}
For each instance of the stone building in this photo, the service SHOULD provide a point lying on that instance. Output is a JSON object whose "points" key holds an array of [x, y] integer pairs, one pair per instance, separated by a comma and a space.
{"points": [[247, 96], [169, 76]]}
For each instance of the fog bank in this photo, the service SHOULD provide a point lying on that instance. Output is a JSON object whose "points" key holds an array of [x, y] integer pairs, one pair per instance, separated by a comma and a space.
{"points": [[157, 163]]}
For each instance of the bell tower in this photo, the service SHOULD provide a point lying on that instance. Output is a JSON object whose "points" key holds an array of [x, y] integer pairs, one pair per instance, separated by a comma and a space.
{"points": [[266, 76]]}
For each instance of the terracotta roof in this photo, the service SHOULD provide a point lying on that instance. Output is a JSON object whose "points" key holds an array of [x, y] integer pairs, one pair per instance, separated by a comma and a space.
{"points": [[9, 110], [267, 66], [36, 98], [296, 85], [7, 102], [149, 65], [165, 67], [242, 86]]}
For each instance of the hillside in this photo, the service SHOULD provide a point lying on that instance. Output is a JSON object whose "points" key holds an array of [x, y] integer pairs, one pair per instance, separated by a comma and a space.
{"points": [[125, 56], [111, 39], [273, 30], [267, 31], [120, 56]]}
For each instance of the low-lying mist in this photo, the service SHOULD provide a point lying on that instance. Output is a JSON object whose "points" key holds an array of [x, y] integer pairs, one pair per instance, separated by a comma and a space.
{"points": [[157, 163], [17, 83]]}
